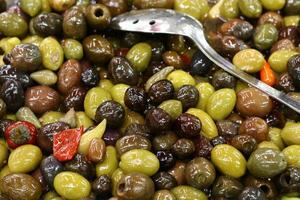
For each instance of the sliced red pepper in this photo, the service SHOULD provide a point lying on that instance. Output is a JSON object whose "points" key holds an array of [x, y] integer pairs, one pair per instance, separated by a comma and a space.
{"points": [[65, 143], [186, 59], [267, 75], [19, 133]]}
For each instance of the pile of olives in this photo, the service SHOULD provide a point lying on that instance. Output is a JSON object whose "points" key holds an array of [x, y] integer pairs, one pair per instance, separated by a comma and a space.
{"points": [[147, 117]]}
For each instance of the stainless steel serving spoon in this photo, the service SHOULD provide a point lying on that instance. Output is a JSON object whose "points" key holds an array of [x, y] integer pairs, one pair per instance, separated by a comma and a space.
{"points": [[171, 22]]}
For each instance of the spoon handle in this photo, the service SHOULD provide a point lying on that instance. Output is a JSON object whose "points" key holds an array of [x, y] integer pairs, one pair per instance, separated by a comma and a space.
{"points": [[203, 45]]}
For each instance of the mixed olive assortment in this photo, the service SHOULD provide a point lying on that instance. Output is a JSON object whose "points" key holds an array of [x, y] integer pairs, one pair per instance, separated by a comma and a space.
{"points": [[89, 113]]}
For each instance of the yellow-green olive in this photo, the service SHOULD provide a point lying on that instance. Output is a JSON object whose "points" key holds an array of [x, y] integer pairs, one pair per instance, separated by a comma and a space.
{"points": [[205, 90], [275, 137], [3, 154], [279, 59], [172, 107], [179, 78], [292, 154], [110, 163], [228, 160], [52, 53], [184, 192], [290, 134], [83, 120], [51, 117], [71, 185], [24, 158], [249, 60], [117, 92], [139, 56], [195, 8]]}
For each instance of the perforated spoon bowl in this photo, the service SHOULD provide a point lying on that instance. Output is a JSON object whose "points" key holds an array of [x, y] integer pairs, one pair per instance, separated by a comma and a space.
{"points": [[175, 23]]}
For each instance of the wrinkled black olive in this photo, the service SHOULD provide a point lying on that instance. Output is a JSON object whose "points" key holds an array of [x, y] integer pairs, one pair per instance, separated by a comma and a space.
{"points": [[81, 165], [102, 186], [48, 24], [201, 65], [160, 91], [188, 95], [135, 99], [222, 79], [7, 72], [164, 180], [50, 167], [12, 94], [90, 77], [166, 159]]}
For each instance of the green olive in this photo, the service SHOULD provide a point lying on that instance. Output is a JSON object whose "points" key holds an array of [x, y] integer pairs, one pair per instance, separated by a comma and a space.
{"points": [[266, 163], [291, 20], [184, 192], [106, 84], [279, 59], [221, 103], [249, 60], [290, 134], [110, 163], [209, 128], [50, 195], [115, 178], [228, 160], [139, 160], [33, 39], [275, 136], [71, 185], [51, 117], [52, 53], [24, 158], [7, 44], [98, 16], [45, 6], [268, 144], [163, 195], [139, 56], [273, 4], [205, 90], [31, 7], [44, 77], [291, 154], [83, 120], [265, 36], [74, 23], [61, 5], [197, 8], [3, 155], [12, 25], [172, 107], [250, 8], [72, 49], [4, 171], [130, 118], [230, 9], [93, 99], [117, 93], [179, 78]]}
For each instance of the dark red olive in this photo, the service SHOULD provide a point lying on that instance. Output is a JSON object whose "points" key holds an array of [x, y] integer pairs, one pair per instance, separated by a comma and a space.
{"points": [[12, 94], [245, 143], [161, 91], [203, 147], [75, 98], [188, 95], [187, 125], [111, 136]]}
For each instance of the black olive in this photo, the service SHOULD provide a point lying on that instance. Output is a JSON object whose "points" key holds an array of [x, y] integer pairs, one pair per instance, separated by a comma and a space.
{"points": [[188, 95], [164, 180], [160, 91], [48, 24], [129, 39], [187, 125], [289, 180], [111, 136], [12, 94], [157, 49], [50, 167], [203, 147], [222, 79], [166, 159], [227, 128], [3, 124], [75, 99], [218, 140], [90, 77], [7, 72], [286, 83], [158, 120], [138, 129], [201, 65], [102, 186], [112, 111], [135, 99], [294, 69], [227, 187], [154, 67], [252, 193], [81, 165]]}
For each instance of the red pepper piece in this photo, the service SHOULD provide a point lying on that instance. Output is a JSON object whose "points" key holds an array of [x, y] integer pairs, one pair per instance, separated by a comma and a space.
{"points": [[267, 75], [65, 143], [186, 59], [19, 133]]}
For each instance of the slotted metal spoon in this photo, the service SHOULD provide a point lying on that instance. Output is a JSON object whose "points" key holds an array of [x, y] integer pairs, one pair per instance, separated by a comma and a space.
{"points": [[171, 22]]}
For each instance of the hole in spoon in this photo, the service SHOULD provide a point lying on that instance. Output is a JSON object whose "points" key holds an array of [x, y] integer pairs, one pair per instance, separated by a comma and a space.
{"points": [[135, 22], [152, 22]]}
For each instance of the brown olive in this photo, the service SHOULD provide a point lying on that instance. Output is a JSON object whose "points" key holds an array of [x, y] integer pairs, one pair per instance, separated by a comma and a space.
{"points": [[26, 57], [222, 79], [48, 24], [116, 7], [135, 99], [144, 4], [74, 23], [187, 125], [292, 7], [45, 135], [37, 174], [98, 16], [102, 186], [188, 95], [288, 181], [250, 193], [253, 102], [135, 186], [138, 129], [75, 98], [69, 76], [97, 49], [293, 70], [285, 83], [266, 186], [227, 128], [97, 150], [112, 111], [164, 141], [236, 118], [41, 99], [271, 18], [20, 186], [166, 159], [291, 33], [183, 148], [122, 71], [172, 58], [158, 120], [227, 187], [244, 143], [241, 29], [164, 180], [129, 142], [256, 127], [283, 44], [200, 173], [50, 167], [12, 94], [203, 147], [160, 91], [82, 166], [178, 171]]}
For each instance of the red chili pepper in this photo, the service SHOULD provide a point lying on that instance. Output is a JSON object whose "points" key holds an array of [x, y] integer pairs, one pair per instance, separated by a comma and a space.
{"points": [[186, 59], [19, 133], [267, 75], [65, 143]]}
